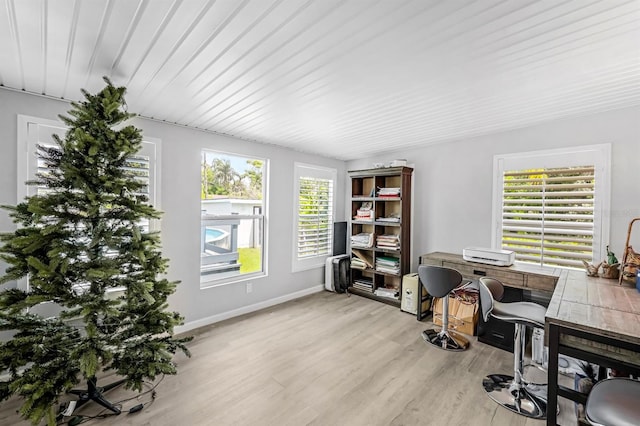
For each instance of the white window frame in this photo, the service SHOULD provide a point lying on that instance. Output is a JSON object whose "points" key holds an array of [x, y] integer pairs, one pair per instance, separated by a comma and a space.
{"points": [[27, 163], [210, 281], [312, 171], [598, 155]]}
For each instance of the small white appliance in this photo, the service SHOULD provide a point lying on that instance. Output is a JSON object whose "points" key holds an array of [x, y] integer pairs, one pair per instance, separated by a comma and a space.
{"points": [[489, 256]]}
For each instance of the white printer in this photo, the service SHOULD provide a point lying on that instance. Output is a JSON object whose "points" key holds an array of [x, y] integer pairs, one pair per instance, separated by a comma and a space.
{"points": [[494, 257]]}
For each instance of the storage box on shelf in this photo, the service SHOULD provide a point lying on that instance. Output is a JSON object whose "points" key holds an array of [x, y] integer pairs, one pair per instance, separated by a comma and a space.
{"points": [[380, 232]]}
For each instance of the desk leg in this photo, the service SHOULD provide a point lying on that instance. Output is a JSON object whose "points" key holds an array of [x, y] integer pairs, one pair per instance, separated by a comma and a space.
{"points": [[552, 375]]}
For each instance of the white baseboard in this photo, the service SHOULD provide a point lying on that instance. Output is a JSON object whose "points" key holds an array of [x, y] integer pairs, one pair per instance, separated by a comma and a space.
{"points": [[191, 325]]}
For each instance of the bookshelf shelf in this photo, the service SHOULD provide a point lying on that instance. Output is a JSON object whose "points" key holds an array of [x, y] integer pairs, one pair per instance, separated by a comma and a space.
{"points": [[393, 232]]}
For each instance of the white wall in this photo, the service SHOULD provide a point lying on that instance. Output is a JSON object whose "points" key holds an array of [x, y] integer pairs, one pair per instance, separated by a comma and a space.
{"points": [[180, 198], [453, 182], [452, 194]]}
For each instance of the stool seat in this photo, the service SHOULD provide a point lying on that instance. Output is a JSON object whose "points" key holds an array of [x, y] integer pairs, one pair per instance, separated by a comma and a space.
{"points": [[525, 312], [614, 402]]}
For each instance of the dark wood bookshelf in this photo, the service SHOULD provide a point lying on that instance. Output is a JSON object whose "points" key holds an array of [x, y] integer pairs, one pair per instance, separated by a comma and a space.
{"points": [[365, 185]]}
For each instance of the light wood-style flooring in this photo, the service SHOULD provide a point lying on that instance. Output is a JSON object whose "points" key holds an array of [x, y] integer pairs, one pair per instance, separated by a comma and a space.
{"points": [[325, 359]]}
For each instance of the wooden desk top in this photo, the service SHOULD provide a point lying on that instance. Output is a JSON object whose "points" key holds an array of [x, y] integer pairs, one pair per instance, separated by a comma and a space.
{"points": [[596, 305]]}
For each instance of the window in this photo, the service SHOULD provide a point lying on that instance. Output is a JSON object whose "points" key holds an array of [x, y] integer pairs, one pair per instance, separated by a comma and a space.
{"points": [[232, 224], [314, 213], [34, 131], [549, 205]]}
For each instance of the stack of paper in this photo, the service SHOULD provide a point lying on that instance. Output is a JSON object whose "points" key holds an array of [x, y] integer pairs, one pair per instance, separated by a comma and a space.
{"points": [[390, 265], [388, 241], [391, 293], [362, 259], [363, 284], [357, 263], [392, 218], [362, 240], [389, 192]]}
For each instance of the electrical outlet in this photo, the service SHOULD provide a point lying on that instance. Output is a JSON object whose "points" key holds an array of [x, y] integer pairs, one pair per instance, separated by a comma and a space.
{"points": [[249, 287]]}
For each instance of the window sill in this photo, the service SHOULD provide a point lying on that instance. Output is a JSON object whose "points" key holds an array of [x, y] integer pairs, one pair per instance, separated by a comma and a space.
{"points": [[207, 283]]}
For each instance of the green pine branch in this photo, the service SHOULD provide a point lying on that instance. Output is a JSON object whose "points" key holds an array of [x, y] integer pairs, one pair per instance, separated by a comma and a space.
{"points": [[77, 241]]}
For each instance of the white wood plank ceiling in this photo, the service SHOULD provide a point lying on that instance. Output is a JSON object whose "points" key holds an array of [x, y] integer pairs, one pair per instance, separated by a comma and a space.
{"points": [[340, 78]]}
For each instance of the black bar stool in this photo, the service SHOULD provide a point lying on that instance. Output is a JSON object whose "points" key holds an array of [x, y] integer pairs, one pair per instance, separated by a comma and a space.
{"points": [[439, 282]]}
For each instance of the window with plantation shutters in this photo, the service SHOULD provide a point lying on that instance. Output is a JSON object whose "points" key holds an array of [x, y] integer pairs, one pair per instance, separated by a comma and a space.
{"points": [[314, 215], [550, 205], [547, 215], [34, 132]]}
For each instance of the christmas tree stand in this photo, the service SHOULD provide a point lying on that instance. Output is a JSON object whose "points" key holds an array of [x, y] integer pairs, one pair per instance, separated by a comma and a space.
{"points": [[95, 393]]}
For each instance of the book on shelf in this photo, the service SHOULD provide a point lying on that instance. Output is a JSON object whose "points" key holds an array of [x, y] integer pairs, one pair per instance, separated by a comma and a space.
{"points": [[387, 264], [363, 284], [362, 287], [392, 271], [389, 241]]}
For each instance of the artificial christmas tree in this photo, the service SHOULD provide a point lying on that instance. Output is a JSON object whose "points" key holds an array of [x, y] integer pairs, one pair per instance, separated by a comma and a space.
{"points": [[77, 240]]}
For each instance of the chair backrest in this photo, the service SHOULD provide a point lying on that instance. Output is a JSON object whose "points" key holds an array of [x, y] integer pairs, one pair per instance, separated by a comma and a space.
{"points": [[439, 281], [490, 291]]}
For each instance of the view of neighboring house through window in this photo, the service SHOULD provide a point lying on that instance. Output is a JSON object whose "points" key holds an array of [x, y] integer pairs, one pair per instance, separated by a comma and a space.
{"points": [[232, 225], [552, 214], [314, 211]]}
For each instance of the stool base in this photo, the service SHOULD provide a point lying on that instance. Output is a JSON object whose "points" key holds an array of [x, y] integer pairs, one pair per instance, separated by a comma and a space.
{"points": [[447, 340], [529, 400]]}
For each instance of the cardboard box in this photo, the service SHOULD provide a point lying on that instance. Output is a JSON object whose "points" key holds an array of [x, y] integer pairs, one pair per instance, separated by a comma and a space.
{"points": [[463, 316]]}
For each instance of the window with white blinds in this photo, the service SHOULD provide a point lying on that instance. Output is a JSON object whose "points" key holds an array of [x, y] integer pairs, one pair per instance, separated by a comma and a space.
{"points": [[553, 215], [547, 215], [314, 215], [34, 132]]}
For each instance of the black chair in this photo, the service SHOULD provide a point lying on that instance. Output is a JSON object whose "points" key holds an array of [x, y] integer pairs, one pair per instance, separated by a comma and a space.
{"points": [[614, 402], [439, 282], [514, 392]]}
